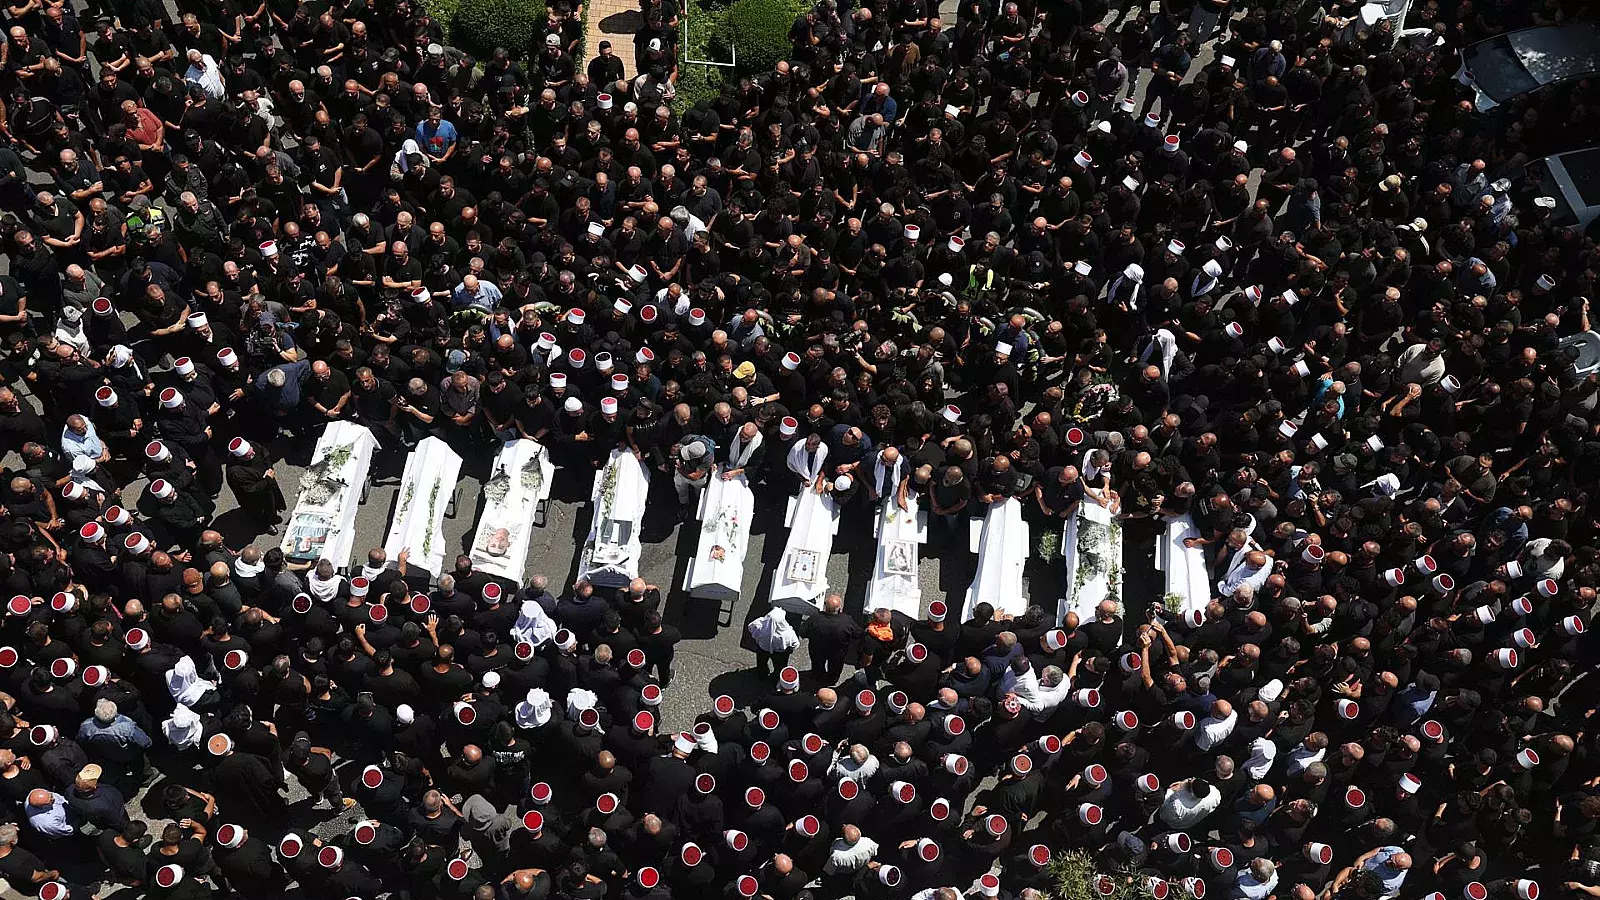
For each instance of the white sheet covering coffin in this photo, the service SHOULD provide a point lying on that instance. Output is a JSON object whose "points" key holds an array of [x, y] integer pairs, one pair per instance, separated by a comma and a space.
{"points": [[900, 531], [813, 519], [1082, 599], [328, 530], [611, 551], [1001, 542], [717, 570], [500, 544], [418, 524], [1184, 568]]}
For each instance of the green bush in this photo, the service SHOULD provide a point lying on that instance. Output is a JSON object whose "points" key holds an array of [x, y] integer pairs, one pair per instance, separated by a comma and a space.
{"points": [[759, 29], [482, 25]]}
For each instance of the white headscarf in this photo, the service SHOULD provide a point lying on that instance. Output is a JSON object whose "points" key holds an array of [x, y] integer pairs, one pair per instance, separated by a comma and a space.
{"points": [[401, 157], [534, 711], [533, 625], [580, 699], [773, 633], [184, 729], [185, 684], [245, 569], [83, 473], [807, 469], [1168, 344], [323, 589], [69, 330]]}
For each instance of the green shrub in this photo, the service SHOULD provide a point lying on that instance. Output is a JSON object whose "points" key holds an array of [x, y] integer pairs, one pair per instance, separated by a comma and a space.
{"points": [[759, 29], [482, 25], [444, 12]]}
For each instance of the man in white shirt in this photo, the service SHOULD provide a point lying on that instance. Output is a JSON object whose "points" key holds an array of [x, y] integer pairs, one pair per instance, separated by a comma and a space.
{"points": [[1039, 697], [1249, 569], [1215, 728], [1188, 803], [1312, 749], [204, 71], [689, 222]]}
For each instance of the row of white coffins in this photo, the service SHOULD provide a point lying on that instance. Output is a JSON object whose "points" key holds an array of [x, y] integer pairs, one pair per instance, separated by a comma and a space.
{"points": [[322, 526]]}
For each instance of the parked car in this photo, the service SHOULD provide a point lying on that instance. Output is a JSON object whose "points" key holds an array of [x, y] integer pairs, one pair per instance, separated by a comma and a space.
{"points": [[1568, 183], [1517, 62]]}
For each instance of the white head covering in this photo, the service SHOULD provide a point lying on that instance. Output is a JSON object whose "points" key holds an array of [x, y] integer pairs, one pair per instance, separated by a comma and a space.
{"points": [[534, 711], [184, 729], [580, 699], [807, 469], [1168, 344], [321, 589], [533, 625], [185, 684], [409, 147], [773, 633]]}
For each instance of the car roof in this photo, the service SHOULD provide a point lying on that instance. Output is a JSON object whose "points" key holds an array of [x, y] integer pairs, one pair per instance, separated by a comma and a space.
{"points": [[1521, 61], [1558, 52], [1582, 168]]}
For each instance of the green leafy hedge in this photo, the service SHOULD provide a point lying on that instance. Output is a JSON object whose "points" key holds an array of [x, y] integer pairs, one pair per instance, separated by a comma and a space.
{"points": [[760, 31], [479, 26]]}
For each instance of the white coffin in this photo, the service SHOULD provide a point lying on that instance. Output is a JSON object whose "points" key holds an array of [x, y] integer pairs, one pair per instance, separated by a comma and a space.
{"points": [[1093, 534], [611, 551], [426, 488], [901, 532], [1183, 568], [802, 576], [717, 570], [519, 481], [1001, 542], [322, 525]]}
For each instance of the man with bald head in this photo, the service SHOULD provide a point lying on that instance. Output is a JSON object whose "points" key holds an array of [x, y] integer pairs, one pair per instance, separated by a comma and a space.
{"points": [[1060, 492], [831, 635], [782, 879], [828, 715], [49, 815], [326, 391], [1251, 567]]}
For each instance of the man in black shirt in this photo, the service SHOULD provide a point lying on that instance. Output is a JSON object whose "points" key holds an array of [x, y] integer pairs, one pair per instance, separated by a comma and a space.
{"points": [[326, 391], [19, 424], [659, 642], [1060, 492], [500, 401], [436, 820], [376, 403]]}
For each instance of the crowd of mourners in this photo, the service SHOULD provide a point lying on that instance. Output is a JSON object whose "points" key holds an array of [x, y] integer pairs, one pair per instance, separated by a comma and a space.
{"points": [[1260, 264]]}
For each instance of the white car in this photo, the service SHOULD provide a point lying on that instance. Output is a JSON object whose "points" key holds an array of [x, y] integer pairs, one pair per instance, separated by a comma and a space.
{"points": [[1517, 62]]}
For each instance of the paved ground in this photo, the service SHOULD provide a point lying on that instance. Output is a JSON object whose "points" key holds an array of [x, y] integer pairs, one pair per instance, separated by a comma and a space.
{"points": [[614, 21]]}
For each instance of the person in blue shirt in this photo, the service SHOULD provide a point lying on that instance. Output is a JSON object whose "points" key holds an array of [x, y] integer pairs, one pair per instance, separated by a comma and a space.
{"points": [[437, 136], [278, 392], [878, 100]]}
